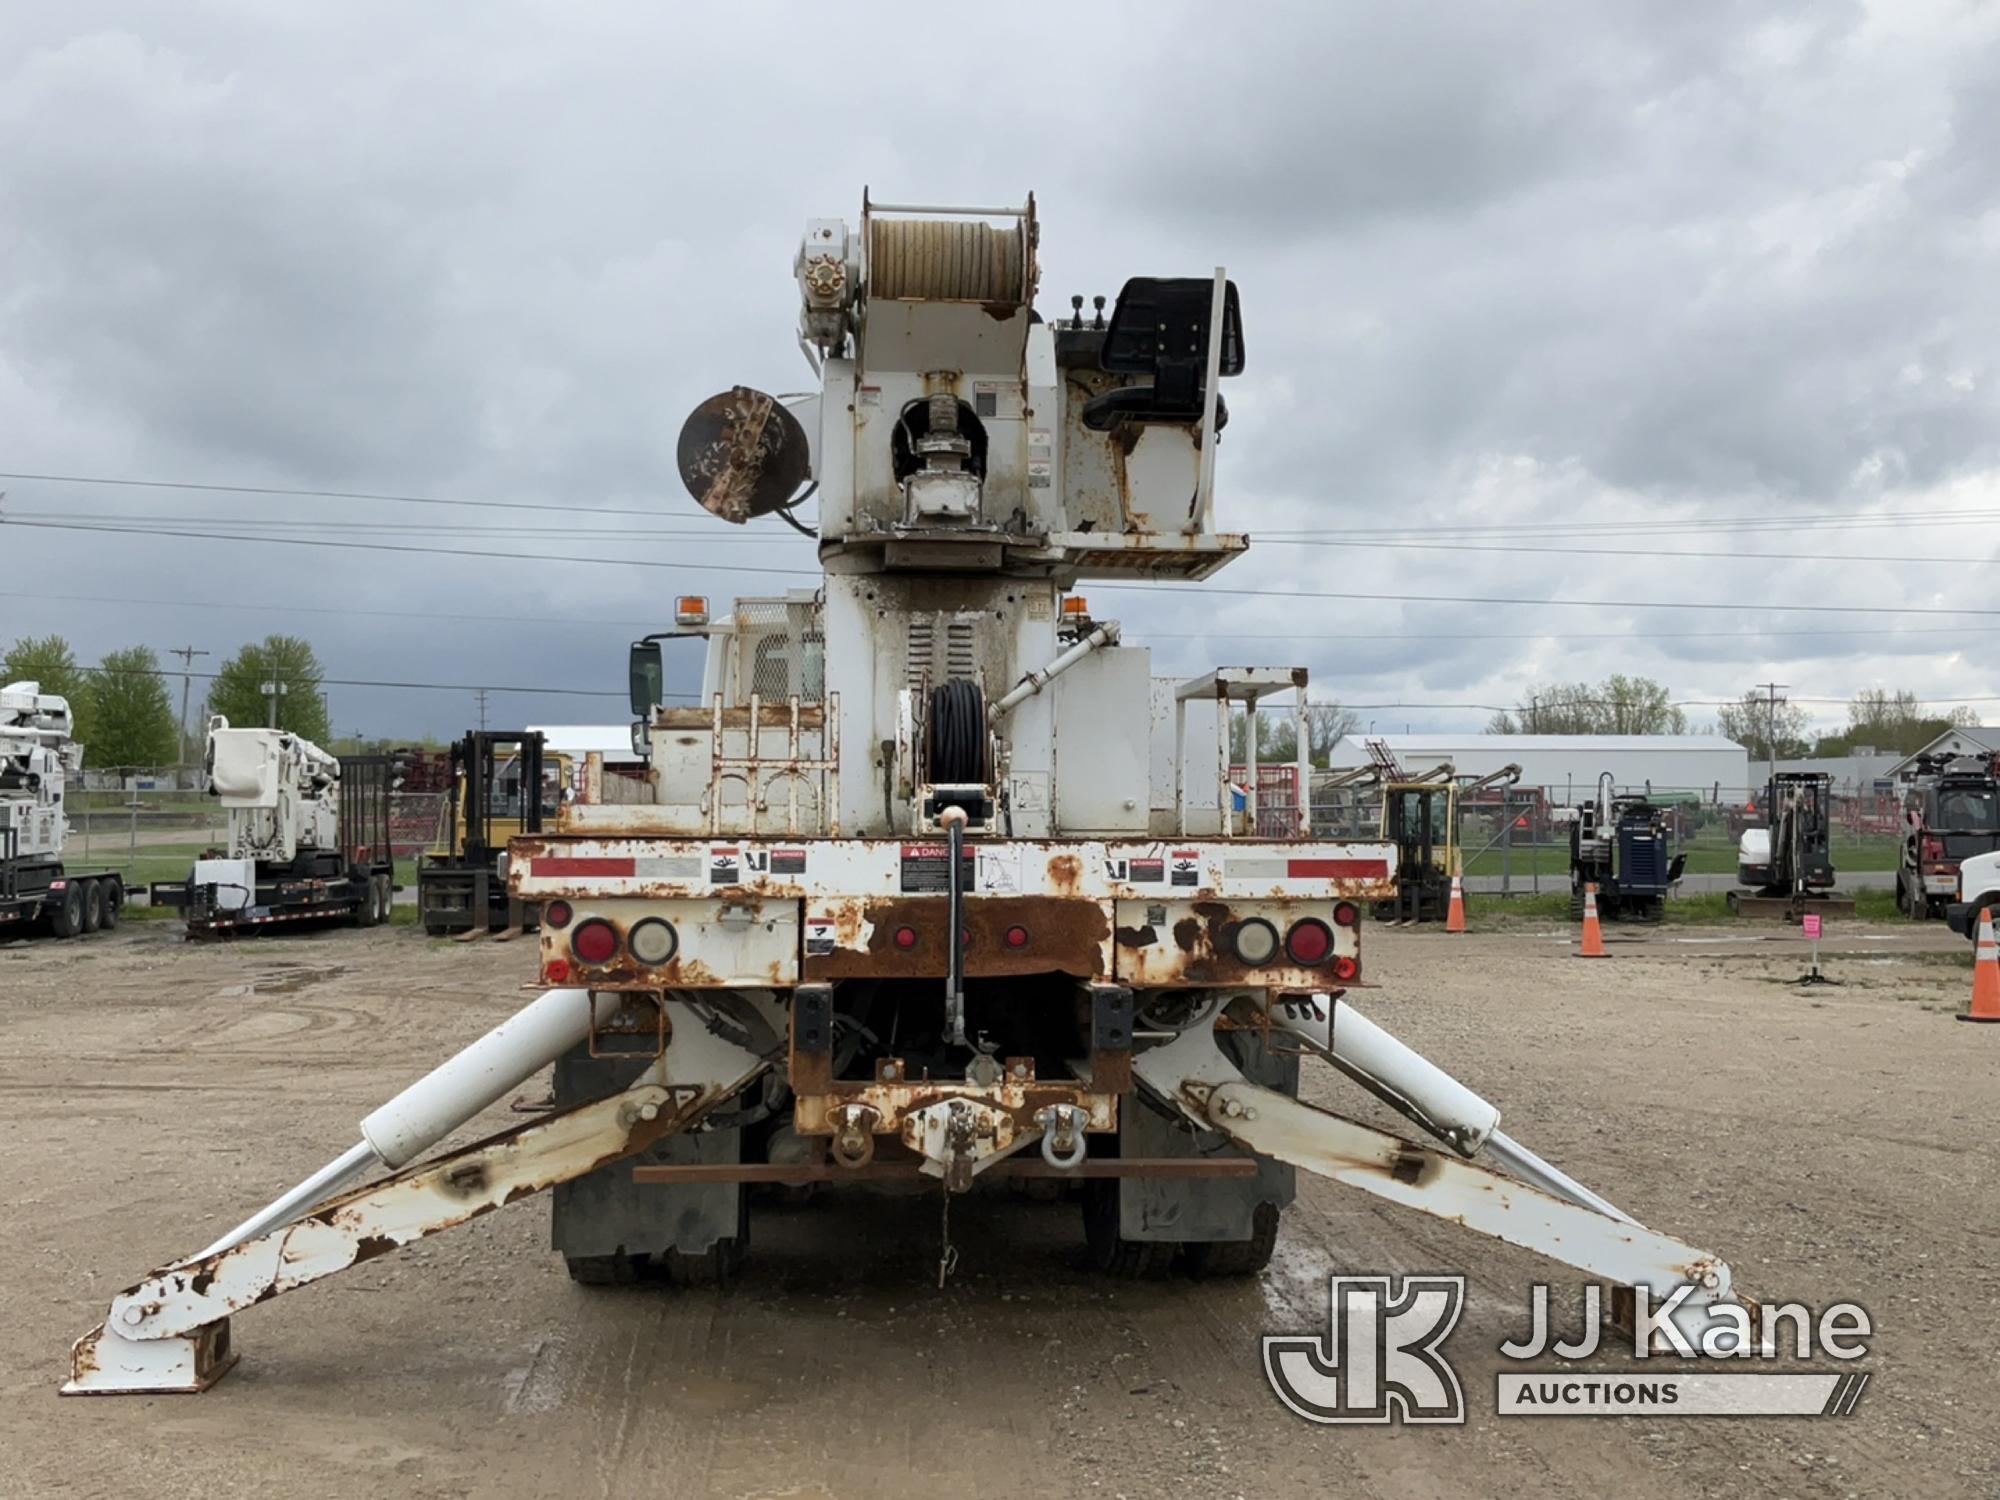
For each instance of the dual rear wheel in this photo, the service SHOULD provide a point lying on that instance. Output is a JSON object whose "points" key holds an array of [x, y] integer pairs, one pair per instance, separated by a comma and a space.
{"points": [[87, 906]]}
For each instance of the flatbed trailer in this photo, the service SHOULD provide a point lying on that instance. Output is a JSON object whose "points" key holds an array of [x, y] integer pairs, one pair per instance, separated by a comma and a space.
{"points": [[47, 896], [352, 883]]}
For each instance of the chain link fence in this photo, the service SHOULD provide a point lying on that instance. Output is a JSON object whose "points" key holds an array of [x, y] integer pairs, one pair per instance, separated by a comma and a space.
{"points": [[1512, 844], [152, 822]]}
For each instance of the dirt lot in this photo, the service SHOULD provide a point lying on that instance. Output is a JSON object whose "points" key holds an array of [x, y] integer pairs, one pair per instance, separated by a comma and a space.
{"points": [[1833, 1144]]}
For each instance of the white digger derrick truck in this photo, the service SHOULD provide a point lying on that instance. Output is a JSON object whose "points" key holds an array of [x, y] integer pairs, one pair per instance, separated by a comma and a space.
{"points": [[308, 837], [39, 760], [936, 881]]}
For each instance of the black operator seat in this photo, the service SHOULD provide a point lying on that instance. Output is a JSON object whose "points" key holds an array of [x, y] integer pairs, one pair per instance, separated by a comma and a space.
{"points": [[1160, 328]]}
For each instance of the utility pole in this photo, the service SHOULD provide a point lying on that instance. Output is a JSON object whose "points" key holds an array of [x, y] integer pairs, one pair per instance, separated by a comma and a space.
{"points": [[1771, 729], [482, 710], [274, 690], [187, 654]]}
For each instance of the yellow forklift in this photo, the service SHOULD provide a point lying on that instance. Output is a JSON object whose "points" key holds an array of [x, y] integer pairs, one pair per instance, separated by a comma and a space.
{"points": [[502, 784], [1420, 814]]}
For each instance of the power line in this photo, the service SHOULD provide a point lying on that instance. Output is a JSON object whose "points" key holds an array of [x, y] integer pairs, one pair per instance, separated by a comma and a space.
{"points": [[528, 557], [1210, 591], [1762, 520], [1346, 636], [265, 489], [658, 536], [369, 682]]}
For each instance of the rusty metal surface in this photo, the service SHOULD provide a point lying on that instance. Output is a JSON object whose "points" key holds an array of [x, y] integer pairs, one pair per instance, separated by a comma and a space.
{"points": [[1163, 945], [732, 942], [799, 1174], [375, 1220], [741, 454], [891, 1103], [1065, 936]]}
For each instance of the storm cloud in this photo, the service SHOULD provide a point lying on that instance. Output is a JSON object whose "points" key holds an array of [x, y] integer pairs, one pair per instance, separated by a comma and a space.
{"points": [[1592, 263]]}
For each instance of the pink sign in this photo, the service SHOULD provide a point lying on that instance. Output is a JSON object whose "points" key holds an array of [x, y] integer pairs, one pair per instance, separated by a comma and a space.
{"points": [[1812, 925]]}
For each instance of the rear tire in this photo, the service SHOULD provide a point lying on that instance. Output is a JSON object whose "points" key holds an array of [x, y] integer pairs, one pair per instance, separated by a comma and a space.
{"points": [[114, 902], [66, 917], [93, 906], [1238, 1257], [1110, 1252]]}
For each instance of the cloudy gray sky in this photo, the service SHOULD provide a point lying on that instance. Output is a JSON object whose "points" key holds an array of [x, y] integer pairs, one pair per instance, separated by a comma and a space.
{"points": [[1645, 272]]}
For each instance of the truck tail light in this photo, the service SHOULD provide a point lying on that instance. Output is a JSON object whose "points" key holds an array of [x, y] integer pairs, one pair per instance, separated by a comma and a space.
{"points": [[1309, 943], [1933, 848], [906, 938], [557, 914], [1345, 968], [594, 941], [1017, 937], [1347, 914], [556, 971], [1254, 941], [653, 941]]}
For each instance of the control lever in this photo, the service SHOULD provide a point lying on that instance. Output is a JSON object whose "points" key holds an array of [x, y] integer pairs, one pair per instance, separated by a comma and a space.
{"points": [[953, 819]]}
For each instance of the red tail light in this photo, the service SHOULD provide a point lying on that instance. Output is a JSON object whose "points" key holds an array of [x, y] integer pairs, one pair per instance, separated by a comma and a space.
{"points": [[1346, 968], [1933, 848], [556, 971], [595, 941], [1309, 942], [906, 938], [1017, 937], [557, 914], [1347, 914]]}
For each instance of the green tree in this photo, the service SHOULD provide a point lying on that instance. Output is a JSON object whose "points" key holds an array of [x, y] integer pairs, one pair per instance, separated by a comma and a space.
{"points": [[1756, 720], [1617, 705], [49, 661], [238, 690], [131, 712], [1893, 722]]}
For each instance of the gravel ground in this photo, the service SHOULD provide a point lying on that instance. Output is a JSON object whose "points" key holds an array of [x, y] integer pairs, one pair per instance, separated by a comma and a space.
{"points": [[1832, 1143]]}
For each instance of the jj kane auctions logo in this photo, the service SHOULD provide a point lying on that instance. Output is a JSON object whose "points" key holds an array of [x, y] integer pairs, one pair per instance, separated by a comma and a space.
{"points": [[1380, 1358]]}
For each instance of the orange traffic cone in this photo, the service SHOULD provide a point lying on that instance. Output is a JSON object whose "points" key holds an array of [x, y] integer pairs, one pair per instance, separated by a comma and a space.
{"points": [[1454, 919], [1985, 973], [1593, 935]]}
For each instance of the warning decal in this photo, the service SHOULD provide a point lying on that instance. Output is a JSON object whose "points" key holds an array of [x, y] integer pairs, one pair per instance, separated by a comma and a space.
{"points": [[926, 869]]}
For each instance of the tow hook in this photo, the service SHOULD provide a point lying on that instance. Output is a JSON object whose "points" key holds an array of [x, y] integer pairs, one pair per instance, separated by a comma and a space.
{"points": [[1063, 1145]]}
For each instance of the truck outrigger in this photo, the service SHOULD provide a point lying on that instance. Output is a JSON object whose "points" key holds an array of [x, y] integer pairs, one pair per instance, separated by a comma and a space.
{"points": [[937, 880]]}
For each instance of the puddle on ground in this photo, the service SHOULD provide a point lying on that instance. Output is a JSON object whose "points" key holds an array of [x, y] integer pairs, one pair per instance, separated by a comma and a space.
{"points": [[285, 981]]}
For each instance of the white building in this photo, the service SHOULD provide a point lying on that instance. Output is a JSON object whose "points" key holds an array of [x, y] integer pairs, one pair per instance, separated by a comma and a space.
{"points": [[1977, 739], [1566, 766], [612, 741]]}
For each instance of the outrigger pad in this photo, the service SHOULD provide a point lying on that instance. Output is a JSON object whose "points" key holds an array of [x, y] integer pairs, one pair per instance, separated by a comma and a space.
{"points": [[103, 1364]]}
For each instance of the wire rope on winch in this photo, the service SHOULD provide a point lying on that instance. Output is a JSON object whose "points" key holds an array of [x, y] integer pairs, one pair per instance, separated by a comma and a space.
{"points": [[957, 733], [947, 260]]}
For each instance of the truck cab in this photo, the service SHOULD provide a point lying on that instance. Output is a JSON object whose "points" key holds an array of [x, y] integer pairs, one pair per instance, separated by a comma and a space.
{"points": [[1951, 812]]}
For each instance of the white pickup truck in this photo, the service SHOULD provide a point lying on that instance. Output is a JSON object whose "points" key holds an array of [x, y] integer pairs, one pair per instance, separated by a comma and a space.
{"points": [[1978, 886]]}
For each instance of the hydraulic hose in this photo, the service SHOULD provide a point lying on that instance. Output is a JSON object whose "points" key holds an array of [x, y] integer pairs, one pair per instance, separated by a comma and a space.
{"points": [[958, 734]]}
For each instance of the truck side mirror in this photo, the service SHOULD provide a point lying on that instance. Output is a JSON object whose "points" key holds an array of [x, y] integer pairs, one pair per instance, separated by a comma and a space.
{"points": [[647, 677]]}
